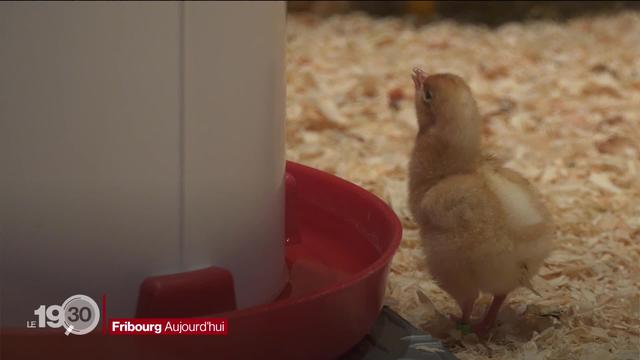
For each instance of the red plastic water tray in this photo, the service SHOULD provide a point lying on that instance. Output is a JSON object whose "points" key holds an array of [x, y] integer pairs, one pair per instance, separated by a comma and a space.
{"points": [[341, 240]]}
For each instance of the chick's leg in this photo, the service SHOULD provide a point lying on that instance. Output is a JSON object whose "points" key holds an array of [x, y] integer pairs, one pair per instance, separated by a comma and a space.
{"points": [[467, 309], [482, 329], [466, 305]]}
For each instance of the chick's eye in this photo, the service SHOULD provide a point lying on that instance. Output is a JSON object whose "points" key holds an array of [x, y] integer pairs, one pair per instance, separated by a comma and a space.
{"points": [[427, 96]]}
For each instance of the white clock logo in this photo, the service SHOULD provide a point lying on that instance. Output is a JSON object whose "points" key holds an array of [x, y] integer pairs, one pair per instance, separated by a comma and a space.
{"points": [[79, 315]]}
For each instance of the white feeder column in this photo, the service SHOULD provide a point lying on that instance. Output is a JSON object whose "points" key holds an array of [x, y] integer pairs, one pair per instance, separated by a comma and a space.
{"points": [[234, 143], [139, 139]]}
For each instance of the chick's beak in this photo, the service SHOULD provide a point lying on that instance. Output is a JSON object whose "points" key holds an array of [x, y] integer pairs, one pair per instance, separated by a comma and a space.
{"points": [[418, 77]]}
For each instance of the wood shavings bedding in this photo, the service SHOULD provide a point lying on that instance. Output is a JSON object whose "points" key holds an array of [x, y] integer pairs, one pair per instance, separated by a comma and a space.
{"points": [[561, 104]]}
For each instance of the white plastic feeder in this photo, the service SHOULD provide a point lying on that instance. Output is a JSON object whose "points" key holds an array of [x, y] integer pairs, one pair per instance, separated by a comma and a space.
{"points": [[139, 139]]}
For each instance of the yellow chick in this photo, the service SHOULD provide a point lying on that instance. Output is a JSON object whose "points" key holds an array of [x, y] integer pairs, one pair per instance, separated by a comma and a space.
{"points": [[483, 226]]}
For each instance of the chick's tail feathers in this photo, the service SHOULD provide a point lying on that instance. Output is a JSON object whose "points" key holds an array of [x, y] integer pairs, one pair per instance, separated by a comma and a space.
{"points": [[525, 280], [527, 283]]}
